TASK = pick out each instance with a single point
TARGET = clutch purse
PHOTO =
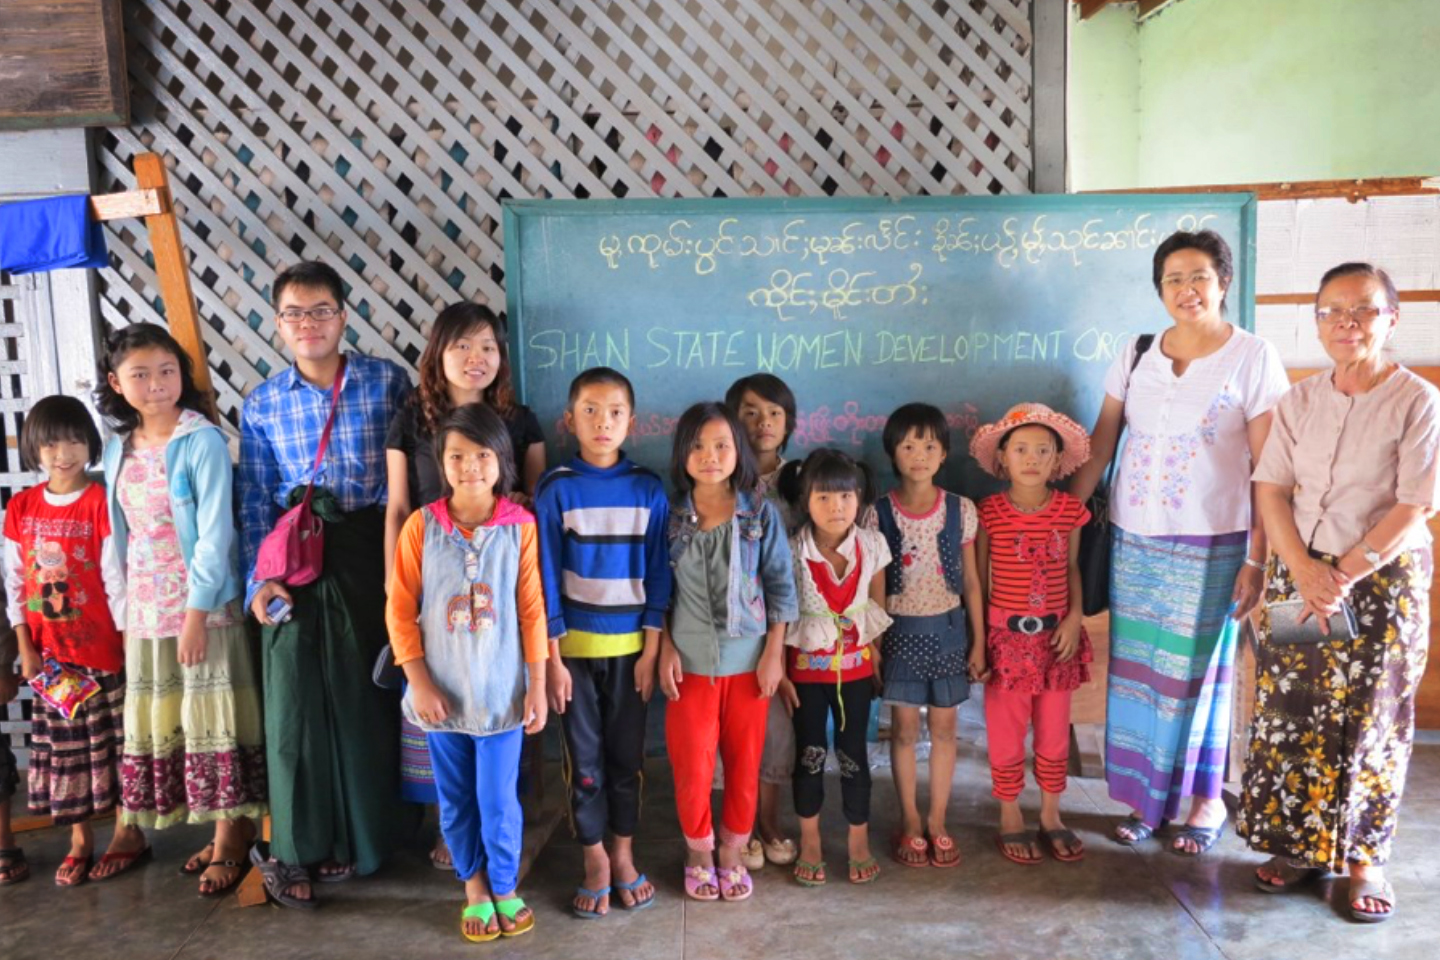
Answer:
(1285, 625)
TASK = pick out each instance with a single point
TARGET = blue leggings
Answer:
(480, 812)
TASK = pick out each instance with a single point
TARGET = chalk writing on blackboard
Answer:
(1013, 242)
(790, 349)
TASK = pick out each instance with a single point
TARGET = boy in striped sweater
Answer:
(605, 565)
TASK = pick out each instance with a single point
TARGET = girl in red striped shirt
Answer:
(1035, 651)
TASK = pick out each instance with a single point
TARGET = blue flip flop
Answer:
(630, 888)
(593, 895)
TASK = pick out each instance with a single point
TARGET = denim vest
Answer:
(471, 627)
(951, 559)
(760, 564)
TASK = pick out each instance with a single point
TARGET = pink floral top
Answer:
(155, 568)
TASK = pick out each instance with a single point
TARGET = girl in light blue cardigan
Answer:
(187, 657)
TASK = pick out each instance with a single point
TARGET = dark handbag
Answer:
(1095, 536)
(1285, 625)
(294, 552)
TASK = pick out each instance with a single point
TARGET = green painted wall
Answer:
(1235, 91)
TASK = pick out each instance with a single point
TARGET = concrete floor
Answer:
(1118, 903)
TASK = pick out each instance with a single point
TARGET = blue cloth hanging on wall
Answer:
(51, 234)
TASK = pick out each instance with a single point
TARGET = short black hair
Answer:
(57, 419)
(309, 273)
(825, 470)
(480, 425)
(601, 375)
(118, 414)
(1356, 268)
(1207, 242)
(768, 387)
(687, 432)
(925, 419)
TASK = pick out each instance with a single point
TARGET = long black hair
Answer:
(121, 417)
(769, 388)
(482, 426)
(687, 432)
(825, 470)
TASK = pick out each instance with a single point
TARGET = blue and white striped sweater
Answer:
(603, 553)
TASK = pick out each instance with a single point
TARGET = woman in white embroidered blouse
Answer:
(1188, 549)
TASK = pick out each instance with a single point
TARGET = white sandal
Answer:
(782, 853)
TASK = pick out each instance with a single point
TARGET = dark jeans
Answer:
(604, 726)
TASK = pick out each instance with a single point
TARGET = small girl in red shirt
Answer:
(1035, 651)
(832, 660)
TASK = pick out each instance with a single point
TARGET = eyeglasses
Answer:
(1194, 280)
(1364, 313)
(319, 314)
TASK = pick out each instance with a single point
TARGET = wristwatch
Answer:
(1372, 556)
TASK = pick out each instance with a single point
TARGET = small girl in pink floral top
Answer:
(187, 661)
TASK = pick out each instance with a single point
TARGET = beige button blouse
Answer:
(1351, 459)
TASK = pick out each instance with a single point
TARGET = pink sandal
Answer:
(736, 885)
(697, 877)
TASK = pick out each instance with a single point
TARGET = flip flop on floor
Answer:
(1051, 840)
(14, 865)
(1289, 875)
(944, 853)
(809, 874)
(911, 851)
(1371, 890)
(280, 877)
(484, 911)
(1203, 837)
(126, 861)
(858, 868)
(508, 908)
(1005, 840)
(241, 867)
(595, 895)
(630, 888)
(1139, 830)
(195, 865)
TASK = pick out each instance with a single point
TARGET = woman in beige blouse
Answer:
(1345, 484)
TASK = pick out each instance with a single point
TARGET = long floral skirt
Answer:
(1334, 723)
(194, 736)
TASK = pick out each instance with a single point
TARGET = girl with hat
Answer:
(1035, 651)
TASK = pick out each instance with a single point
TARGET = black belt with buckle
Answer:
(1031, 625)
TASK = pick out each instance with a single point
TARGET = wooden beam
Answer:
(133, 203)
(172, 271)
(1352, 190)
(1088, 8)
(1147, 7)
(1406, 296)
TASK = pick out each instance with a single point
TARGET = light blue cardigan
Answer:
(197, 460)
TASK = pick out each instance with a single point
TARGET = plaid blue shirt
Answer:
(280, 427)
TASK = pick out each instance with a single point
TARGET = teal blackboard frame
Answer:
(528, 223)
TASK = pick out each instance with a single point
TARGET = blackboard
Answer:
(860, 305)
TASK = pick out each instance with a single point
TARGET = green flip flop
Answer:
(484, 912)
(508, 908)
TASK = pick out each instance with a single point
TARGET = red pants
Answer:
(1007, 716)
(727, 713)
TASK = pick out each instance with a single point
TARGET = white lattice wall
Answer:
(383, 136)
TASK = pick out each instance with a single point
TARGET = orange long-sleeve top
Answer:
(402, 611)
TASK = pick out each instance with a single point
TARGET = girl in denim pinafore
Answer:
(466, 615)
(722, 648)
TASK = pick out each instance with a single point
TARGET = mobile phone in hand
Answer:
(278, 609)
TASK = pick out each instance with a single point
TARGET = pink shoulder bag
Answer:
(294, 552)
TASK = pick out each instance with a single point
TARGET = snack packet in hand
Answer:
(63, 688)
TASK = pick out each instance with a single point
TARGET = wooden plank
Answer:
(1352, 190)
(1048, 133)
(64, 64)
(1147, 7)
(1406, 296)
(172, 271)
(1088, 8)
(131, 203)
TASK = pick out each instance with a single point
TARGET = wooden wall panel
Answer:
(63, 64)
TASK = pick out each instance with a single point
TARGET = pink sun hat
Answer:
(985, 446)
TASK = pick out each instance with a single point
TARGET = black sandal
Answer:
(195, 859)
(1203, 837)
(1139, 830)
(15, 866)
(240, 868)
(280, 877)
